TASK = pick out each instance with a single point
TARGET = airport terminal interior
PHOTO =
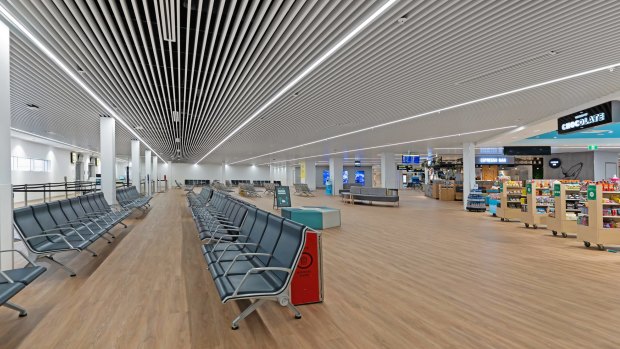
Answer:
(309, 174)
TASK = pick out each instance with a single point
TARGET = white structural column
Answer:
(6, 189)
(107, 129)
(223, 173)
(389, 174)
(335, 175)
(469, 170)
(309, 177)
(272, 174)
(147, 172)
(155, 174)
(290, 175)
(135, 163)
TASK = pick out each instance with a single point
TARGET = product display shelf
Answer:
(567, 204)
(599, 223)
(476, 201)
(538, 200)
(510, 201)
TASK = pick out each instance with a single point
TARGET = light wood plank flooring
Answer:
(422, 275)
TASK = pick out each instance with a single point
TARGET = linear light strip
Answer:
(52, 140)
(437, 111)
(110, 111)
(395, 144)
(305, 73)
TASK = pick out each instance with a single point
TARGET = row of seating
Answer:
(302, 189)
(14, 280)
(67, 225)
(246, 189)
(251, 253)
(129, 198)
(200, 199)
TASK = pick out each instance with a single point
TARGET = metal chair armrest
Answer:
(254, 270)
(62, 229)
(244, 255)
(48, 235)
(30, 261)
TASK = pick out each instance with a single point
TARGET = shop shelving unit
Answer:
(599, 223)
(538, 199)
(567, 204)
(510, 202)
(476, 201)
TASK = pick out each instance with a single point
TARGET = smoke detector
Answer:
(402, 20)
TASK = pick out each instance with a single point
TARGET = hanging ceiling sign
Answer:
(598, 115)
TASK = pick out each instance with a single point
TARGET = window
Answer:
(30, 165)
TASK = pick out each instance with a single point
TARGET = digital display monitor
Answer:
(345, 177)
(360, 177)
(325, 176)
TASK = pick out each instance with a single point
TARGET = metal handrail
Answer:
(58, 187)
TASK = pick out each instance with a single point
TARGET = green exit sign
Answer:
(592, 147)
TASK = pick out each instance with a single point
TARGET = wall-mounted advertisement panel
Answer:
(345, 177)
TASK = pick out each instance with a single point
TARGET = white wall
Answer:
(601, 158)
(60, 165)
(183, 171)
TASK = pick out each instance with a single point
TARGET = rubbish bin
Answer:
(307, 283)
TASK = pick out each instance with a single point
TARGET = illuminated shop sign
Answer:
(591, 117)
(494, 160)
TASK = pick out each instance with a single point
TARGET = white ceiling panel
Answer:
(197, 69)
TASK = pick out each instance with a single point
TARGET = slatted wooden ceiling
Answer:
(227, 58)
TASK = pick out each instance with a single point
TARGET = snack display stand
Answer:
(599, 221)
(567, 204)
(538, 200)
(510, 201)
(475, 201)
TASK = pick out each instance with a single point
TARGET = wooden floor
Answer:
(422, 275)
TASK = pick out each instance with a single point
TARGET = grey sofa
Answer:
(371, 195)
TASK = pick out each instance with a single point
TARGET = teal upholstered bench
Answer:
(315, 217)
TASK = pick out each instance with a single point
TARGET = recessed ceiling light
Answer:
(178, 150)
(32, 106)
(177, 140)
(138, 128)
(175, 116)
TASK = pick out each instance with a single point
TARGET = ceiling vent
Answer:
(138, 128)
(177, 140)
(167, 19)
(506, 68)
(175, 116)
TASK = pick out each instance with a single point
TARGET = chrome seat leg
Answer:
(51, 259)
(249, 310)
(294, 310)
(11, 305)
